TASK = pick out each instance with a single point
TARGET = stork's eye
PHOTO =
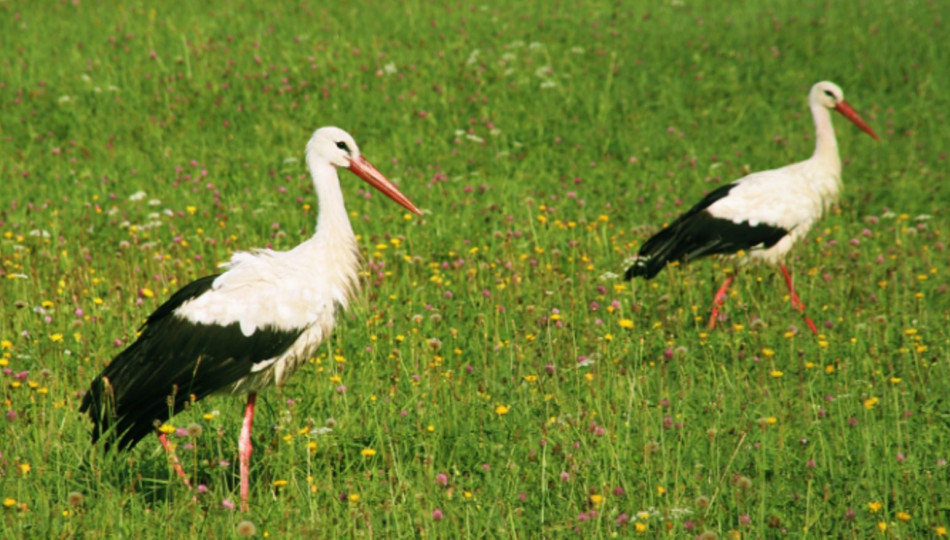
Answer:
(342, 146)
(829, 94)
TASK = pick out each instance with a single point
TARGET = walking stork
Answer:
(244, 329)
(761, 216)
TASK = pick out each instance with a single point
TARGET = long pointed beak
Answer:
(365, 170)
(855, 118)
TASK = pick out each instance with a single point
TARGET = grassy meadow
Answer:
(496, 377)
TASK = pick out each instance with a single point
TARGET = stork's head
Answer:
(336, 147)
(829, 95)
(332, 145)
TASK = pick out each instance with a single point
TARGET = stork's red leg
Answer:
(796, 301)
(244, 448)
(174, 459)
(718, 299)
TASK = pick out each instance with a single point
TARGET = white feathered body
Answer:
(793, 198)
(300, 289)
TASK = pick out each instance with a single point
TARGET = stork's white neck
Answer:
(332, 251)
(333, 225)
(826, 146)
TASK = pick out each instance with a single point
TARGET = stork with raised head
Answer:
(246, 328)
(761, 216)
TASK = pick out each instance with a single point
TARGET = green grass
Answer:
(598, 122)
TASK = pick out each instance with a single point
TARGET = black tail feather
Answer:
(698, 234)
(121, 421)
(656, 253)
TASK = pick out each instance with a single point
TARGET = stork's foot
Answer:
(718, 300)
(810, 323)
(795, 300)
(244, 449)
(174, 459)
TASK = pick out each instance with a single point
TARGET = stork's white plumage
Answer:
(762, 215)
(246, 328)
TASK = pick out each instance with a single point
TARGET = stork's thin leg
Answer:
(174, 458)
(796, 301)
(244, 448)
(718, 299)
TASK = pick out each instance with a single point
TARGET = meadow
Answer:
(496, 377)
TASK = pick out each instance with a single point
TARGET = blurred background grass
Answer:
(140, 145)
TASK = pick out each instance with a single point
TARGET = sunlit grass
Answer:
(496, 378)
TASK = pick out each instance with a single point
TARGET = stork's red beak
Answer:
(849, 113)
(365, 170)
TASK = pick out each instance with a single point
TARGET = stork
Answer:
(244, 329)
(761, 216)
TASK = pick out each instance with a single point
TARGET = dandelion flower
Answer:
(501, 410)
(74, 498)
(368, 452)
(246, 528)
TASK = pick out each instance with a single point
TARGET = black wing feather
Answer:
(697, 233)
(172, 363)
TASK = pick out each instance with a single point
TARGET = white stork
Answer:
(761, 216)
(243, 329)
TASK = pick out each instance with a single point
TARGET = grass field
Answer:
(496, 378)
